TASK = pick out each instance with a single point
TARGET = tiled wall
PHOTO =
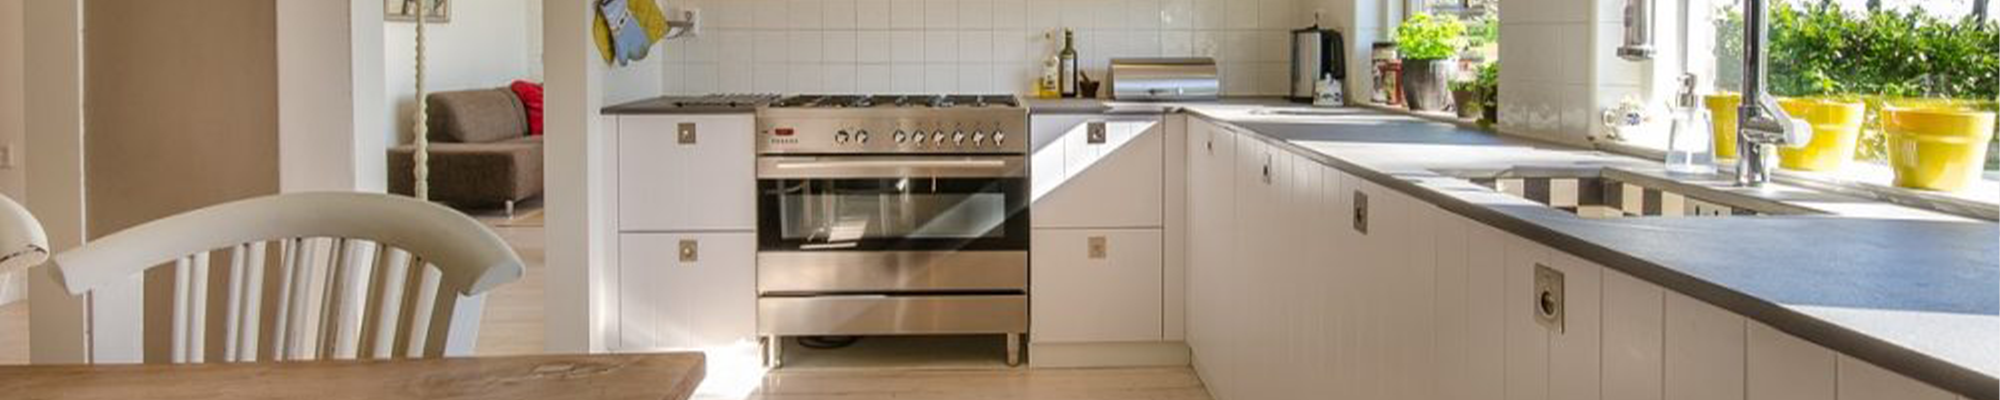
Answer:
(1560, 69)
(936, 46)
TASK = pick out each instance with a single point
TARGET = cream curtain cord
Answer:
(423, 155)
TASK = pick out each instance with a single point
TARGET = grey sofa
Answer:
(480, 151)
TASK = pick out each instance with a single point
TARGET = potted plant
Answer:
(1487, 85)
(1427, 43)
(1465, 98)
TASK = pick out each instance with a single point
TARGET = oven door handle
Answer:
(891, 167)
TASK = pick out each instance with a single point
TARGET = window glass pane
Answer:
(1885, 53)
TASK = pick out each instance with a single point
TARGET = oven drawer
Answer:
(895, 271)
(891, 315)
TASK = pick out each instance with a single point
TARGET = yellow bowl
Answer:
(1836, 126)
(1937, 148)
(1722, 106)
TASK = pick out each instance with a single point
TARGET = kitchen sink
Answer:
(1305, 112)
(1613, 193)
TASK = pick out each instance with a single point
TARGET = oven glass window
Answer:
(907, 214)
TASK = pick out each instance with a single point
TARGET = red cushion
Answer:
(531, 97)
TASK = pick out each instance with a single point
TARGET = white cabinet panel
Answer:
(1085, 296)
(1323, 275)
(668, 304)
(1633, 337)
(1859, 380)
(1782, 367)
(1174, 277)
(1574, 360)
(1211, 252)
(1452, 324)
(1704, 351)
(1294, 279)
(1486, 305)
(1527, 344)
(1119, 182)
(707, 183)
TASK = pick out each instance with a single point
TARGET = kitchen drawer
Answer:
(1112, 179)
(891, 315)
(1094, 285)
(702, 181)
(668, 302)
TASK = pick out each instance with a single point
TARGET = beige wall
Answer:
(12, 127)
(182, 103)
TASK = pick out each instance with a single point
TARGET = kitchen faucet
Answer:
(1761, 124)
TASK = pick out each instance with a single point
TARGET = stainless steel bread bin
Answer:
(1165, 79)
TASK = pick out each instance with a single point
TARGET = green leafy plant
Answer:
(1428, 37)
(1482, 30)
(1486, 87)
(1882, 56)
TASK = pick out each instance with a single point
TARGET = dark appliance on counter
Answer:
(1316, 53)
(892, 215)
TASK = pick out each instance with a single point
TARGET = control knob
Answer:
(861, 137)
(958, 137)
(902, 137)
(978, 138)
(840, 137)
(937, 137)
(999, 138)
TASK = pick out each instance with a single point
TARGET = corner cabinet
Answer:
(682, 203)
(1105, 275)
(1305, 281)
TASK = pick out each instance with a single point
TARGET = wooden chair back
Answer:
(290, 277)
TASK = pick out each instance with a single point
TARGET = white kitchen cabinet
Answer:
(1634, 337)
(1527, 342)
(686, 291)
(686, 173)
(1452, 323)
(1096, 286)
(1252, 312)
(1704, 351)
(1575, 352)
(1098, 172)
(1211, 163)
(1487, 310)
(1859, 380)
(1783, 367)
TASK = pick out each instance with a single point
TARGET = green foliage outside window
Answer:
(1880, 56)
(1428, 37)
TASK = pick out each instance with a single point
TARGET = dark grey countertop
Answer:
(676, 105)
(1911, 291)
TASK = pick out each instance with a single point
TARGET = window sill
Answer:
(1872, 181)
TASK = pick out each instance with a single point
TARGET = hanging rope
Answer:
(423, 155)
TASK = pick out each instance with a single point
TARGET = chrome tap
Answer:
(1762, 125)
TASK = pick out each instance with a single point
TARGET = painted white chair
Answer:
(22, 245)
(355, 275)
(22, 242)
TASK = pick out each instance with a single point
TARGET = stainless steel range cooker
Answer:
(892, 215)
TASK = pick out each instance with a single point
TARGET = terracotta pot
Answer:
(1466, 102)
(1424, 87)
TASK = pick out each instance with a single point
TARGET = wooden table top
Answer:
(670, 376)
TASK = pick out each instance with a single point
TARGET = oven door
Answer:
(892, 203)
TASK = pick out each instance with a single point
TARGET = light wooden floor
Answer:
(513, 325)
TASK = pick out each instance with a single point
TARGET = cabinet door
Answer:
(1527, 345)
(1704, 351)
(1783, 367)
(704, 182)
(1115, 182)
(666, 303)
(1634, 337)
(1487, 310)
(1860, 380)
(1094, 285)
(1448, 240)
(1575, 361)
(1211, 244)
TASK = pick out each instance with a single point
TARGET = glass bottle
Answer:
(1068, 68)
(1691, 144)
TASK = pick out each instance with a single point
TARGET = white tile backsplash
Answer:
(899, 46)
